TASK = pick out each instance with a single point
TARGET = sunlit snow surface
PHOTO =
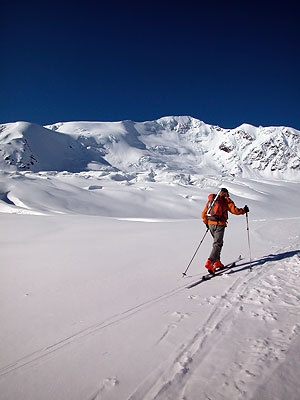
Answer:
(93, 301)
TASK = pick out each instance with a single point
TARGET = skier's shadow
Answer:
(263, 260)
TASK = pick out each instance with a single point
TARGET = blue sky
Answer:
(225, 63)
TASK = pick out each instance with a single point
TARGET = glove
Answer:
(207, 226)
(246, 209)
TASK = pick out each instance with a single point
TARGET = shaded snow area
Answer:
(94, 304)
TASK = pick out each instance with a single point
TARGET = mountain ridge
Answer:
(175, 143)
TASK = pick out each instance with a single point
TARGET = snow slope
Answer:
(182, 144)
(93, 301)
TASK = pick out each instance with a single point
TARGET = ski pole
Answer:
(247, 223)
(184, 273)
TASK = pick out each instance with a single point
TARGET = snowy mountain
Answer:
(26, 146)
(171, 144)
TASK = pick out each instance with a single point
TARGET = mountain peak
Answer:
(173, 143)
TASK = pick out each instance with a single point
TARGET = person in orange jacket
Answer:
(216, 223)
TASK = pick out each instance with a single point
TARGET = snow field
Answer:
(96, 307)
(98, 223)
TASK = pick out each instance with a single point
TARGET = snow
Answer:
(93, 301)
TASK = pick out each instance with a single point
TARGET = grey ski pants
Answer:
(217, 232)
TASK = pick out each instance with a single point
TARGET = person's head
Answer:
(224, 192)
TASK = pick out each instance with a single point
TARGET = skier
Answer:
(215, 218)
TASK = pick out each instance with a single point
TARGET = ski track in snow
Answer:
(262, 297)
(253, 321)
(113, 320)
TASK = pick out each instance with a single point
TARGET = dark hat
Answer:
(224, 190)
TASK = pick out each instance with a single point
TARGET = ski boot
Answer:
(218, 265)
(210, 266)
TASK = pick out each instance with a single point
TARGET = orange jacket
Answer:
(230, 206)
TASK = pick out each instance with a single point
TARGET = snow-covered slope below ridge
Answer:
(182, 144)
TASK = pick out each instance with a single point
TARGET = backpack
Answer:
(217, 208)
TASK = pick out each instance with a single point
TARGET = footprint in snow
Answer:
(179, 316)
(194, 297)
(264, 315)
(107, 384)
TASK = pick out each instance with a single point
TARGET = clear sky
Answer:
(224, 63)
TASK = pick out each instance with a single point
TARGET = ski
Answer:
(219, 271)
(209, 276)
